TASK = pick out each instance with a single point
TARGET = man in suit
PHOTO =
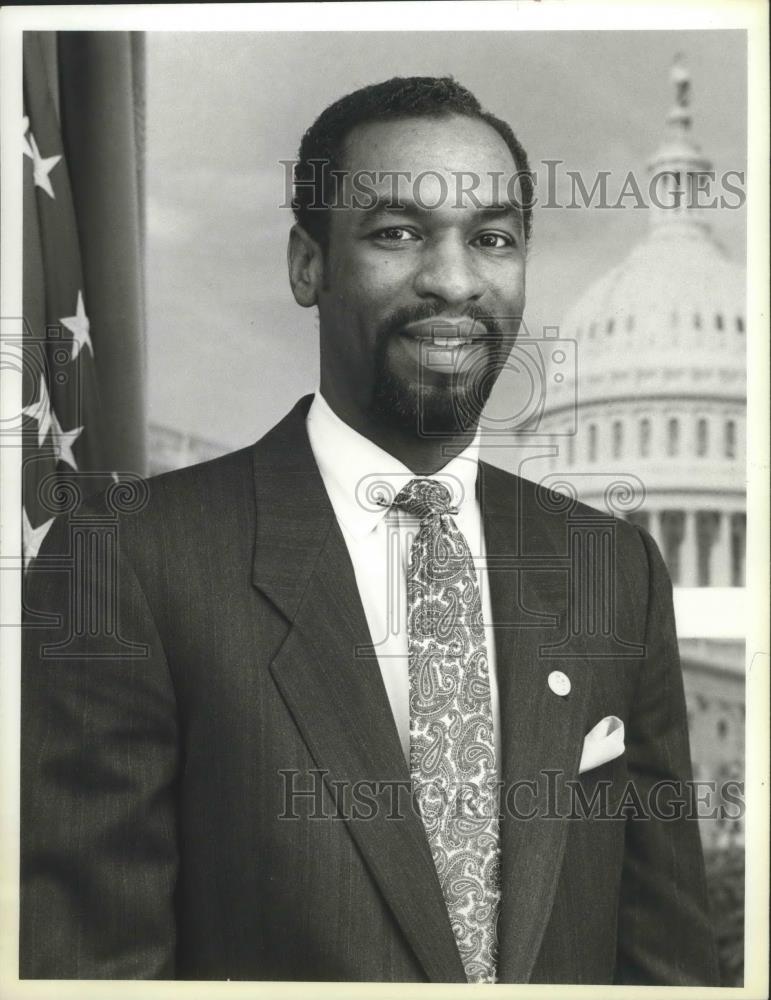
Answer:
(331, 707)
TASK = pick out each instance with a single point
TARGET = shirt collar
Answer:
(356, 472)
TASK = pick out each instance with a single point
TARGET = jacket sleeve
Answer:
(664, 931)
(98, 764)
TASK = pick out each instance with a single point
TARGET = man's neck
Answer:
(422, 455)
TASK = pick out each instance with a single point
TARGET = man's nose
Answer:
(448, 272)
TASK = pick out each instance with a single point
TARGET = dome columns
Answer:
(719, 542)
(701, 547)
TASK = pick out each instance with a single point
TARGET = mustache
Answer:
(427, 311)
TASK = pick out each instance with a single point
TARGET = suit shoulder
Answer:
(512, 493)
(177, 501)
(224, 472)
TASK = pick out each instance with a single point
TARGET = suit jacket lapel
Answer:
(541, 731)
(335, 691)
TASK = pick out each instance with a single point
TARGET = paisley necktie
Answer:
(452, 753)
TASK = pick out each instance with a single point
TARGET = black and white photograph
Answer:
(384, 539)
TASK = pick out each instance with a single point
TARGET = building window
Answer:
(739, 324)
(707, 527)
(645, 437)
(702, 437)
(618, 438)
(730, 439)
(672, 531)
(673, 437)
(738, 538)
(719, 321)
(722, 729)
(697, 321)
(592, 442)
(702, 552)
(609, 327)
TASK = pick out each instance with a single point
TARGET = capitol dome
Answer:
(658, 395)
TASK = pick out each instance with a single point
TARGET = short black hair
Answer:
(321, 147)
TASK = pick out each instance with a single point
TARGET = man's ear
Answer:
(306, 266)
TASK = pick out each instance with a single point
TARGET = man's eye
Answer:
(395, 234)
(494, 241)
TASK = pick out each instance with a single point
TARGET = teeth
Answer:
(450, 341)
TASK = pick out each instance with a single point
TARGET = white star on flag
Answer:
(42, 167)
(79, 326)
(26, 148)
(32, 538)
(40, 410)
(63, 441)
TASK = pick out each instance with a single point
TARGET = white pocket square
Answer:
(603, 743)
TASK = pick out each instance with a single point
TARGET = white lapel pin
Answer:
(559, 683)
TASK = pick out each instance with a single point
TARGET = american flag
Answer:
(62, 451)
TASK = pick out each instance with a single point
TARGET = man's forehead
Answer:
(448, 144)
(434, 161)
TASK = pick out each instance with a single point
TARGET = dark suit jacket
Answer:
(230, 649)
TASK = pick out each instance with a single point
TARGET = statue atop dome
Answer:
(679, 117)
(681, 78)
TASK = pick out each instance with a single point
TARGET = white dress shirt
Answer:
(355, 472)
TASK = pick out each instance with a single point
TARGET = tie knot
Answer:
(425, 498)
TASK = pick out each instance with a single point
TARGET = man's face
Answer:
(419, 306)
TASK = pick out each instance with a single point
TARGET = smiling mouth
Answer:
(447, 333)
(450, 341)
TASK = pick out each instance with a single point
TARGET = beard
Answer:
(445, 403)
